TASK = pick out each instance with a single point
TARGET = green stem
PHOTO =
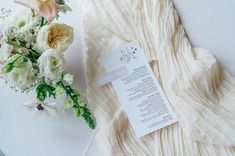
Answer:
(33, 59)
(9, 67)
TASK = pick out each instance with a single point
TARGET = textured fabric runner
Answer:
(201, 92)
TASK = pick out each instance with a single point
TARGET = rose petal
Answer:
(30, 105)
(48, 10)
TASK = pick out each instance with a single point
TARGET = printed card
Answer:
(138, 90)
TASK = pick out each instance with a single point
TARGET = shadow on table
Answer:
(2, 154)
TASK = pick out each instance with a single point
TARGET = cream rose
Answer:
(51, 64)
(55, 36)
(22, 75)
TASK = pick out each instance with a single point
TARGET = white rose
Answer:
(22, 75)
(5, 51)
(54, 36)
(51, 64)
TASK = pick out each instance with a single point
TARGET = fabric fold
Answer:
(200, 90)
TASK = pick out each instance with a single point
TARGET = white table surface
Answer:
(209, 24)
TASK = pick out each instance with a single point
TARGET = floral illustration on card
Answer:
(128, 54)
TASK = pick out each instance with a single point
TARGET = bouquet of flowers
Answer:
(31, 56)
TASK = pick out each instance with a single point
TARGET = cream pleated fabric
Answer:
(200, 91)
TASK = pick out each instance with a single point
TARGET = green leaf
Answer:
(43, 21)
(7, 68)
(88, 118)
(44, 90)
(15, 61)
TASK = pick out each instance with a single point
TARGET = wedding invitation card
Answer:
(138, 89)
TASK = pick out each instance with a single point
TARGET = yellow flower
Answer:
(46, 8)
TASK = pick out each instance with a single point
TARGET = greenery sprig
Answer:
(73, 99)
(44, 90)
(79, 107)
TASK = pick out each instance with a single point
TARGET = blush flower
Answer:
(46, 8)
